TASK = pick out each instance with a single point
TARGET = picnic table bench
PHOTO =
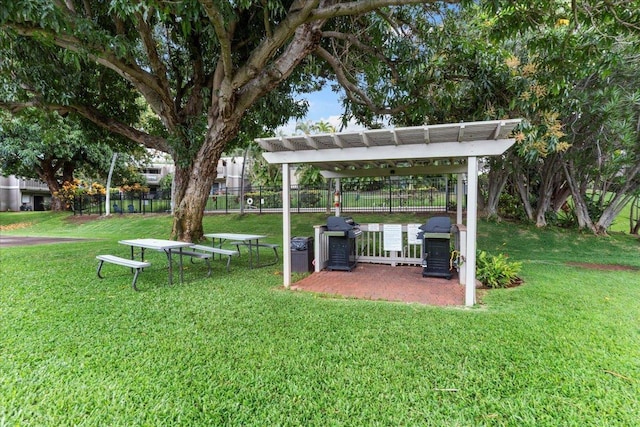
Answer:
(207, 252)
(249, 240)
(134, 265)
(258, 245)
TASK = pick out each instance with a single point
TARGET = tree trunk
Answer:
(47, 174)
(523, 191)
(622, 198)
(605, 220)
(634, 216)
(550, 179)
(497, 179)
(193, 183)
(560, 197)
(581, 210)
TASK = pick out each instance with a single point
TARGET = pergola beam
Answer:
(442, 150)
(401, 171)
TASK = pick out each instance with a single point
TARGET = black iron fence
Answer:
(384, 195)
(122, 203)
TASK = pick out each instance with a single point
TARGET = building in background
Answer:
(18, 193)
(23, 194)
(229, 173)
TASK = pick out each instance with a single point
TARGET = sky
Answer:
(323, 106)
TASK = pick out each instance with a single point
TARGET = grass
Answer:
(236, 349)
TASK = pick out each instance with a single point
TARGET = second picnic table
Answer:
(251, 240)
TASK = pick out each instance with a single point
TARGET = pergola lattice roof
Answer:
(430, 149)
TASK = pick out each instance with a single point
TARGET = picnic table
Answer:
(167, 246)
(250, 240)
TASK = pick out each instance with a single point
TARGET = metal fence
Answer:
(122, 203)
(377, 195)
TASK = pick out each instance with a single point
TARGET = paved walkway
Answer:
(7, 241)
(383, 282)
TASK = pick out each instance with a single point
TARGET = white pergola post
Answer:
(459, 197)
(472, 226)
(338, 190)
(286, 224)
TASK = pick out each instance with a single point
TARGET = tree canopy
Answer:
(56, 149)
(570, 70)
(209, 70)
(218, 73)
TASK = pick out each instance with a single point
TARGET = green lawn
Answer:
(237, 349)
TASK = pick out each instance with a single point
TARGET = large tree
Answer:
(569, 68)
(209, 69)
(582, 62)
(55, 149)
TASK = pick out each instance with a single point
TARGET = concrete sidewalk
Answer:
(8, 241)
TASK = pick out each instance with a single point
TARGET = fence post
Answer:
(390, 197)
(446, 193)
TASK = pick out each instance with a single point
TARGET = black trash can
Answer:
(302, 254)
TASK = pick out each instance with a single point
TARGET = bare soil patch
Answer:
(609, 267)
(81, 219)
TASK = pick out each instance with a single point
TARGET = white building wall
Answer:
(10, 195)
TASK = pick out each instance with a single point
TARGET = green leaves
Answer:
(496, 271)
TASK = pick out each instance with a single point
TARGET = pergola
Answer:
(423, 150)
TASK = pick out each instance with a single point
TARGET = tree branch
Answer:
(141, 79)
(16, 107)
(363, 47)
(361, 7)
(353, 92)
(194, 104)
(149, 141)
(87, 9)
(270, 45)
(65, 4)
(303, 43)
(224, 36)
(97, 118)
(157, 66)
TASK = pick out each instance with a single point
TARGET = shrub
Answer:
(265, 199)
(496, 271)
(309, 199)
(510, 206)
(72, 191)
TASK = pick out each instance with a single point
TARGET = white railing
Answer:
(32, 184)
(370, 246)
(152, 178)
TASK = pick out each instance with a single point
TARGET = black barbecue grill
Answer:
(436, 247)
(342, 233)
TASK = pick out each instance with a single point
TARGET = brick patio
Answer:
(383, 282)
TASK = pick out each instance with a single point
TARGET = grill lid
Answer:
(437, 224)
(341, 223)
(437, 227)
